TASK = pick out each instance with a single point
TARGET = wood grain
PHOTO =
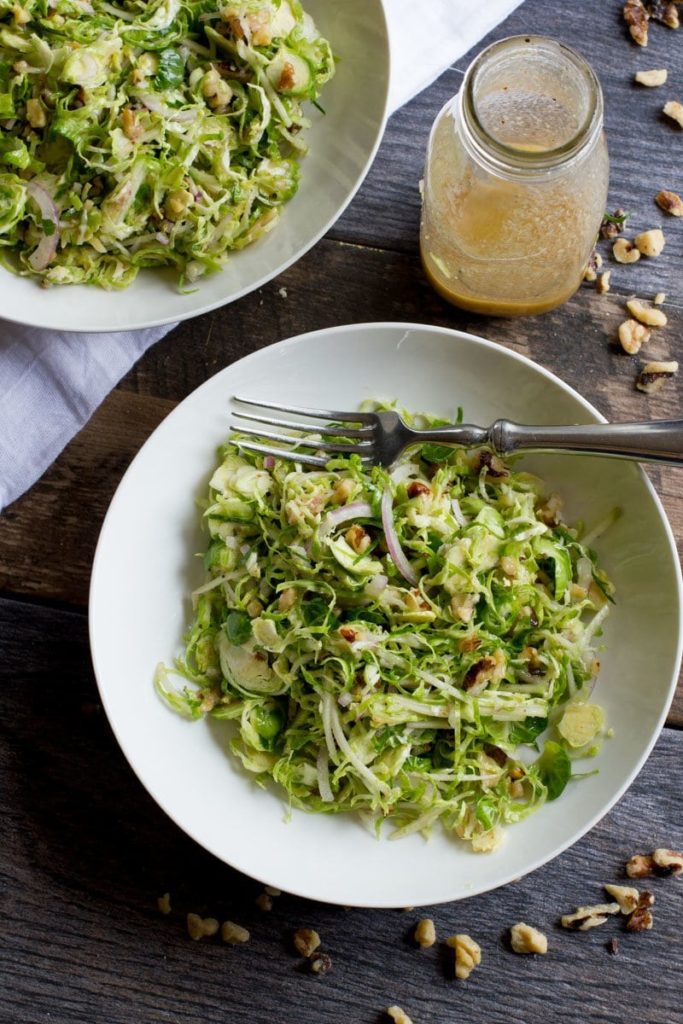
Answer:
(86, 852)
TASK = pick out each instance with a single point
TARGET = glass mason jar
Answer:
(516, 178)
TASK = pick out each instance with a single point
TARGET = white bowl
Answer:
(343, 143)
(144, 569)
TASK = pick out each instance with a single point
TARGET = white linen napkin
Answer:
(51, 382)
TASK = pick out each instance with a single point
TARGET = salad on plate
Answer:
(417, 645)
(149, 133)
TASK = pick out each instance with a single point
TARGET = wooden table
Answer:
(86, 852)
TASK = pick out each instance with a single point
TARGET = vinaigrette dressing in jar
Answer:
(516, 178)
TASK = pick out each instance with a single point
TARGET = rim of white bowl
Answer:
(535, 864)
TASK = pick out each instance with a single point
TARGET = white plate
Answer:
(343, 144)
(144, 569)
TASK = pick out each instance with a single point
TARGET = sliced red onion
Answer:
(395, 550)
(157, 107)
(323, 766)
(269, 462)
(376, 585)
(162, 238)
(45, 251)
(356, 510)
(458, 512)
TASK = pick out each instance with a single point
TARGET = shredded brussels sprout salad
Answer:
(148, 133)
(395, 642)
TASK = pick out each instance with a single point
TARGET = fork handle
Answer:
(654, 441)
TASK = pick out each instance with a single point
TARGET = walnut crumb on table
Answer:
(398, 1015)
(652, 378)
(164, 903)
(650, 243)
(201, 927)
(646, 314)
(652, 78)
(306, 941)
(467, 954)
(425, 933)
(585, 918)
(632, 335)
(524, 938)
(234, 934)
(625, 251)
(674, 110)
(627, 896)
(670, 202)
(319, 963)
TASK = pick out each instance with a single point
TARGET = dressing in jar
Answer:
(516, 178)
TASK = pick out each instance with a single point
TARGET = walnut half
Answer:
(632, 335)
(467, 955)
(526, 939)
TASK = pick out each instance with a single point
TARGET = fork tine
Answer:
(319, 414)
(281, 453)
(318, 445)
(273, 421)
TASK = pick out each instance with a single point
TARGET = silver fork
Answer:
(380, 437)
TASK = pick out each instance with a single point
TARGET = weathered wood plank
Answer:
(646, 149)
(86, 852)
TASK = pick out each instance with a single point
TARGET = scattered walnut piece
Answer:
(664, 11)
(636, 17)
(625, 251)
(653, 78)
(602, 287)
(272, 891)
(613, 225)
(234, 934)
(641, 919)
(319, 963)
(487, 842)
(650, 243)
(646, 314)
(343, 490)
(417, 487)
(670, 202)
(585, 918)
(626, 896)
(640, 865)
(467, 954)
(287, 599)
(164, 903)
(613, 946)
(667, 862)
(358, 539)
(652, 378)
(198, 927)
(632, 335)
(659, 299)
(425, 933)
(306, 941)
(674, 110)
(591, 269)
(398, 1015)
(526, 939)
(264, 902)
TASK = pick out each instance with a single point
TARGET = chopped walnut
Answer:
(254, 608)
(462, 606)
(650, 243)
(585, 918)
(646, 314)
(636, 17)
(198, 927)
(674, 110)
(487, 842)
(641, 865)
(306, 941)
(659, 299)
(667, 862)
(626, 896)
(664, 11)
(164, 903)
(35, 114)
(264, 902)
(641, 919)
(632, 335)
(652, 378)
(287, 599)
(343, 490)
(132, 128)
(319, 963)
(398, 1015)
(467, 955)
(493, 464)
(416, 488)
(653, 78)
(526, 939)
(358, 539)
(670, 202)
(234, 934)
(614, 225)
(625, 251)
(594, 263)
(425, 933)
(613, 946)
(602, 287)
(478, 676)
